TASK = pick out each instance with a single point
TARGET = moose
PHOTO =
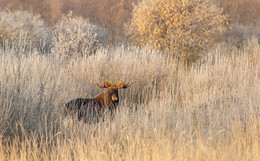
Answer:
(91, 109)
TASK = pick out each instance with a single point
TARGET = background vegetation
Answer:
(204, 111)
(112, 14)
(185, 29)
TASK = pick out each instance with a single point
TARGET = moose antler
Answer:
(118, 83)
(106, 84)
(128, 84)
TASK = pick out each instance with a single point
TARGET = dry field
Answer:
(205, 112)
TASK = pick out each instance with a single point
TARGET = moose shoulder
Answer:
(91, 109)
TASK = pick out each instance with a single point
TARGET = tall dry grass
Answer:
(205, 112)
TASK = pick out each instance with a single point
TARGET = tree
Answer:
(185, 28)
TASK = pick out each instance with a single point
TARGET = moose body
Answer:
(91, 110)
(83, 108)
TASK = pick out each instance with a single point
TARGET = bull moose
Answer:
(91, 109)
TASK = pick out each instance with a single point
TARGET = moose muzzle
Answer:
(114, 98)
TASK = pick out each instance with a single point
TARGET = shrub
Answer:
(185, 28)
(75, 36)
(24, 28)
(239, 34)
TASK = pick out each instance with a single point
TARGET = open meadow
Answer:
(195, 68)
(207, 111)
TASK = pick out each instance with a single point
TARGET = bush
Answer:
(25, 29)
(239, 34)
(185, 28)
(75, 36)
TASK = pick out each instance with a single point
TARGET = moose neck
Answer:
(104, 98)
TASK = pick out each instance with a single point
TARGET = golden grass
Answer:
(207, 112)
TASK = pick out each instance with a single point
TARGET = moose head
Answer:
(110, 96)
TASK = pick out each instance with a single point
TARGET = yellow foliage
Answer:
(182, 27)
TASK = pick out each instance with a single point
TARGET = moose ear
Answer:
(118, 83)
(108, 84)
